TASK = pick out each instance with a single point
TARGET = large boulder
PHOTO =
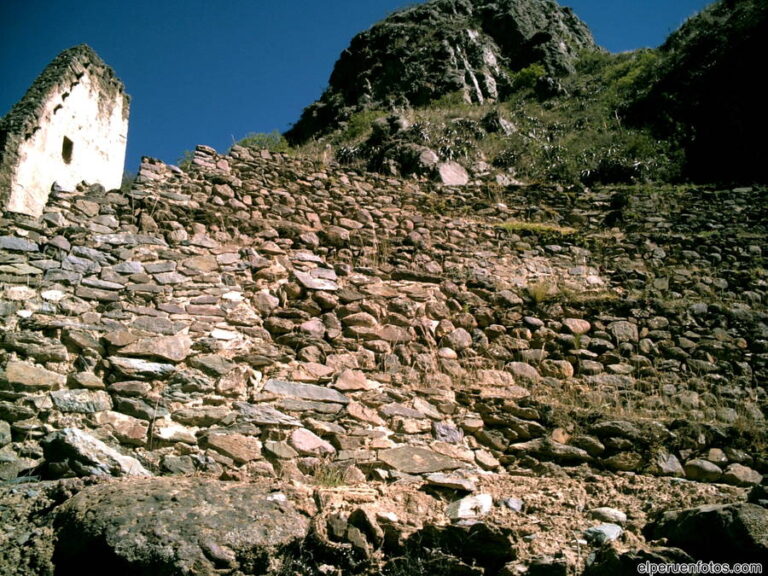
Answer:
(727, 533)
(165, 526)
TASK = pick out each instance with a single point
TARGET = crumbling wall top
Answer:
(67, 68)
(30, 118)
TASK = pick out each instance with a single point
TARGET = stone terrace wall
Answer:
(71, 125)
(257, 311)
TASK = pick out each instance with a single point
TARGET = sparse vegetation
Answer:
(328, 474)
(541, 290)
(127, 182)
(272, 141)
(358, 126)
(185, 160)
(539, 228)
(579, 134)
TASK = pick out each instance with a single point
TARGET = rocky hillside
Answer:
(430, 50)
(703, 95)
(264, 365)
(520, 85)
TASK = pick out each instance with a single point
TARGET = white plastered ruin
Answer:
(79, 133)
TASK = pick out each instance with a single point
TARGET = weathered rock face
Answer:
(733, 533)
(71, 125)
(443, 46)
(172, 526)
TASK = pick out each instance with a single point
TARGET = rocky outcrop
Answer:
(688, 109)
(732, 533)
(507, 524)
(427, 51)
(704, 97)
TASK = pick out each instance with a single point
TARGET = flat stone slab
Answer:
(212, 364)
(547, 448)
(302, 406)
(470, 507)
(305, 391)
(416, 460)
(138, 367)
(239, 447)
(452, 174)
(95, 294)
(308, 443)
(202, 415)
(21, 270)
(396, 409)
(174, 348)
(451, 481)
(304, 256)
(264, 415)
(165, 278)
(311, 283)
(16, 244)
(177, 526)
(81, 401)
(157, 325)
(126, 238)
(25, 376)
(101, 284)
(86, 455)
(203, 263)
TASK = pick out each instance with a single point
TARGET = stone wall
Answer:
(283, 336)
(71, 125)
(259, 309)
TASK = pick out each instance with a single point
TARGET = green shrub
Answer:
(593, 61)
(451, 100)
(526, 78)
(359, 125)
(630, 74)
(272, 141)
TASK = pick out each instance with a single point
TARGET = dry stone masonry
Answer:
(272, 364)
(388, 370)
(71, 125)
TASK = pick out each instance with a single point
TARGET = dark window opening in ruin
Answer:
(66, 150)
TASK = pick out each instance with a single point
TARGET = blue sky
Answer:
(204, 72)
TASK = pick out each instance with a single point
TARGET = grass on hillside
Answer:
(577, 135)
(538, 228)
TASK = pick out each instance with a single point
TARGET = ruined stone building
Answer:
(70, 126)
